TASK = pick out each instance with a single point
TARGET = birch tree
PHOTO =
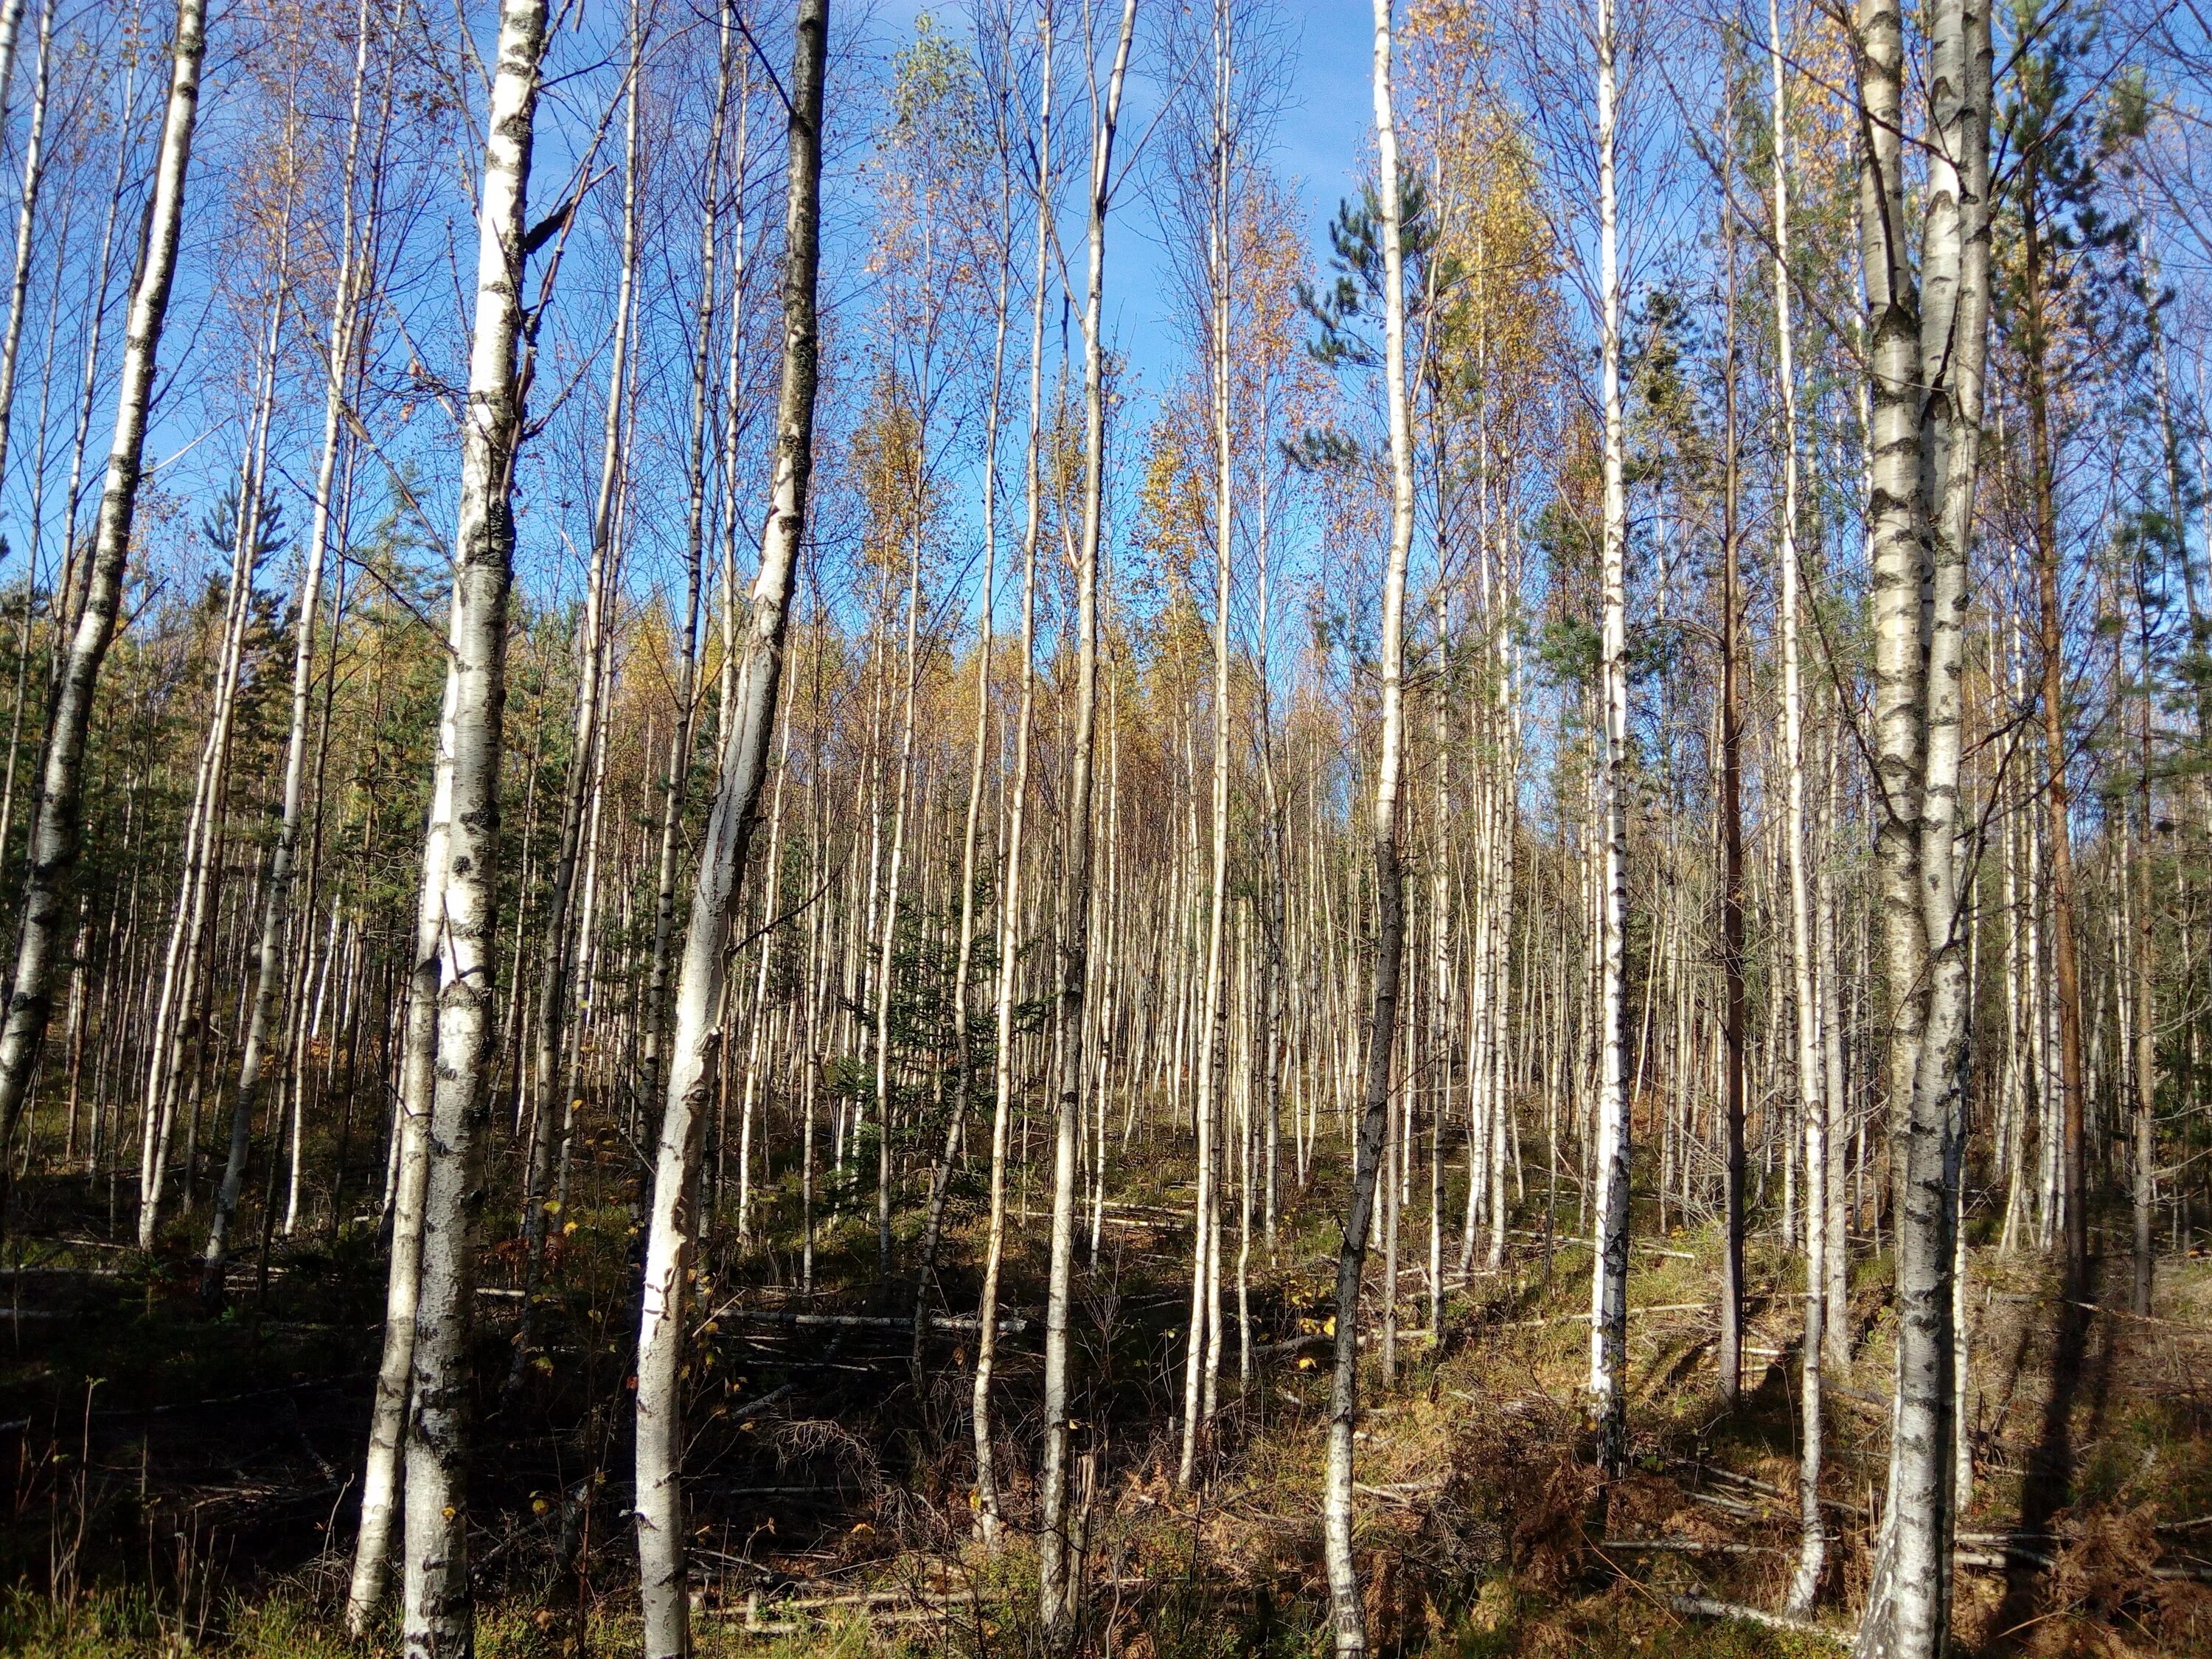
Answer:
(1060, 1534)
(268, 967)
(730, 823)
(460, 877)
(1810, 1063)
(1009, 881)
(1608, 1338)
(1925, 446)
(1347, 1602)
(57, 821)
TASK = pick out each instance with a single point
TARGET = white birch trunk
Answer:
(1059, 1536)
(34, 173)
(1010, 859)
(1204, 1341)
(700, 981)
(1609, 1349)
(1925, 469)
(440, 1619)
(1813, 1544)
(1346, 1604)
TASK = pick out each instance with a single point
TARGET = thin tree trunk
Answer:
(895, 878)
(1010, 858)
(1347, 1603)
(406, 1177)
(701, 983)
(964, 965)
(1608, 1340)
(1812, 1542)
(686, 699)
(1059, 1540)
(1735, 1018)
(35, 171)
(1204, 1338)
(2057, 795)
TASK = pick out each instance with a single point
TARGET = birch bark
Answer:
(1203, 1350)
(731, 821)
(1812, 1104)
(1926, 445)
(1346, 1601)
(1060, 1539)
(1608, 1352)
(1010, 859)
(26, 213)
(675, 785)
(439, 1617)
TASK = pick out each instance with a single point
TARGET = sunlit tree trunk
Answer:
(2038, 306)
(27, 212)
(701, 983)
(1608, 1340)
(1734, 1033)
(675, 785)
(1347, 1609)
(1201, 1358)
(410, 1172)
(1010, 858)
(1060, 1534)
(439, 1617)
(896, 877)
(1812, 1104)
(1925, 448)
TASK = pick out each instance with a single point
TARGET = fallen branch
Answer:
(2141, 1319)
(1583, 1318)
(1009, 1325)
(1704, 1607)
(1685, 1547)
(877, 1606)
(1403, 1493)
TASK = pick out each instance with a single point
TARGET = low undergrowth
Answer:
(185, 1475)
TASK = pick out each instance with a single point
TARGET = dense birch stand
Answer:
(1017, 811)
(1190, 971)
(57, 820)
(268, 956)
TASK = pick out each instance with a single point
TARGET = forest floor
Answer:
(184, 1479)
